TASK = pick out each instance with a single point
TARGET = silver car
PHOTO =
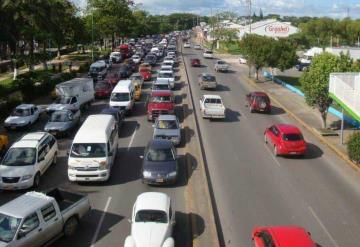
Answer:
(167, 127)
(62, 122)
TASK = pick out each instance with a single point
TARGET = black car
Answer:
(124, 71)
(160, 164)
(118, 114)
(302, 66)
(150, 59)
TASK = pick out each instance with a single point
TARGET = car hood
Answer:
(15, 171)
(14, 119)
(57, 125)
(149, 234)
(57, 107)
(159, 167)
(167, 132)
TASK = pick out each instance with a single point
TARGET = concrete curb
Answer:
(309, 128)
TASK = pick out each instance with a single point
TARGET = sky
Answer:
(330, 8)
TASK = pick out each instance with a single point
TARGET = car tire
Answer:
(54, 159)
(37, 179)
(265, 139)
(71, 226)
(275, 151)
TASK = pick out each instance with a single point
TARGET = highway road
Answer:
(252, 188)
(106, 224)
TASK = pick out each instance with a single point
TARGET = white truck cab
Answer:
(122, 95)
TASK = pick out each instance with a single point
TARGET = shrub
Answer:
(353, 147)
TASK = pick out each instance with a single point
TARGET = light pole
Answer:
(92, 34)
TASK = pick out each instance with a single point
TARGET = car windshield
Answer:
(159, 99)
(221, 62)
(8, 227)
(60, 117)
(212, 101)
(94, 69)
(136, 77)
(208, 52)
(63, 100)
(261, 99)
(88, 150)
(160, 87)
(151, 216)
(102, 85)
(20, 157)
(165, 75)
(167, 124)
(208, 78)
(20, 112)
(292, 137)
(118, 97)
(160, 155)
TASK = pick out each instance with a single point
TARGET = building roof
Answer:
(153, 201)
(25, 204)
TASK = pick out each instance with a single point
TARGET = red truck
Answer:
(160, 102)
(125, 51)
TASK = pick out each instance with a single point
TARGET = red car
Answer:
(146, 74)
(285, 139)
(103, 89)
(282, 236)
(160, 102)
(113, 78)
(195, 62)
(258, 101)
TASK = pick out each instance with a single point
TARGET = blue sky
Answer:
(331, 8)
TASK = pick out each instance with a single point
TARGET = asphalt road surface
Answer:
(106, 224)
(253, 188)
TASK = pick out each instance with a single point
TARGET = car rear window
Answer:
(292, 137)
(157, 216)
(208, 78)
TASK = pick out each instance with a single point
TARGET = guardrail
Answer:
(331, 110)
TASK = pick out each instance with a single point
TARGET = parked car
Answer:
(302, 66)
(242, 60)
(211, 106)
(208, 54)
(278, 236)
(187, 45)
(103, 89)
(197, 47)
(258, 101)
(115, 57)
(22, 116)
(160, 163)
(61, 123)
(117, 113)
(167, 127)
(160, 102)
(152, 221)
(285, 139)
(195, 62)
(27, 160)
(36, 218)
(4, 142)
(221, 66)
(98, 70)
(207, 81)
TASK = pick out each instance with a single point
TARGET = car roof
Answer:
(95, 129)
(167, 117)
(153, 201)
(288, 129)
(293, 236)
(257, 93)
(25, 204)
(122, 85)
(159, 143)
(25, 106)
(30, 140)
(212, 96)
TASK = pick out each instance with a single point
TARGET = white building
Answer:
(354, 52)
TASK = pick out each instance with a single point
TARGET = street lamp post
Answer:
(92, 34)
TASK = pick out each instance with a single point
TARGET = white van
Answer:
(122, 95)
(94, 149)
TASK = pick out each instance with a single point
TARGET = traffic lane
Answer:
(125, 185)
(230, 81)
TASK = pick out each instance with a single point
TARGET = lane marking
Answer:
(131, 140)
(272, 155)
(100, 222)
(323, 227)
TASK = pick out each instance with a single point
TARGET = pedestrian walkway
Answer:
(296, 106)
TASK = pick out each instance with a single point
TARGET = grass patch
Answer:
(6, 82)
(293, 81)
(79, 57)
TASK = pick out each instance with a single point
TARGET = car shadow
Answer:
(139, 108)
(313, 152)
(186, 135)
(230, 116)
(186, 112)
(87, 227)
(277, 110)
(184, 233)
(128, 128)
(222, 88)
(179, 85)
(178, 99)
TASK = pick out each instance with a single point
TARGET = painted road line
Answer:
(272, 155)
(131, 140)
(323, 227)
(100, 222)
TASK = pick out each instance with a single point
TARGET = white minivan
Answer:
(122, 96)
(94, 149)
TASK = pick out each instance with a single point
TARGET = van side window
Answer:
(49, 141)
(73, 100)
(42, 152)
(112, 136)
(30, 223)
(48, 212)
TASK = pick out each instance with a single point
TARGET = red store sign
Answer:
(277, 29)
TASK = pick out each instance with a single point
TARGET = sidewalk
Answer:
(296, 107)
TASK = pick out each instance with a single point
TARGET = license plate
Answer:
(9, 187)
(293, 152)
(159, 180)
(87, 179)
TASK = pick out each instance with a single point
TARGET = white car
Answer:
(197, 47)
(22, 116)
(211, 106)
(208, 54)
(187, 45)
(136, 58)
(167, 75)
(27, 160)
(152, 221)
(242, 60)
(115, 57)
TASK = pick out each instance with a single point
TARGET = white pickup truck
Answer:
(211, 106)
(72, 95)
(35, 218)
(221, 66)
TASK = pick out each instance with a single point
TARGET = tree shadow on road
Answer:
(183, 230)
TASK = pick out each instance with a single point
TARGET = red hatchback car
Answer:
(195, 62)
(282, 236)
(258, 101)
(103, 89)
(285, 139)
(146, 74)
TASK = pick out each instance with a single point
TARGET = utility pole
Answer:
(92, 34)
(249, 5)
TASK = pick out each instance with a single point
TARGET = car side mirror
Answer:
(22, 233)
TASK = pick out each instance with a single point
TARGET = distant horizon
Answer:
(336, 9)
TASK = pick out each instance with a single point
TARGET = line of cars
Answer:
(285, 139)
